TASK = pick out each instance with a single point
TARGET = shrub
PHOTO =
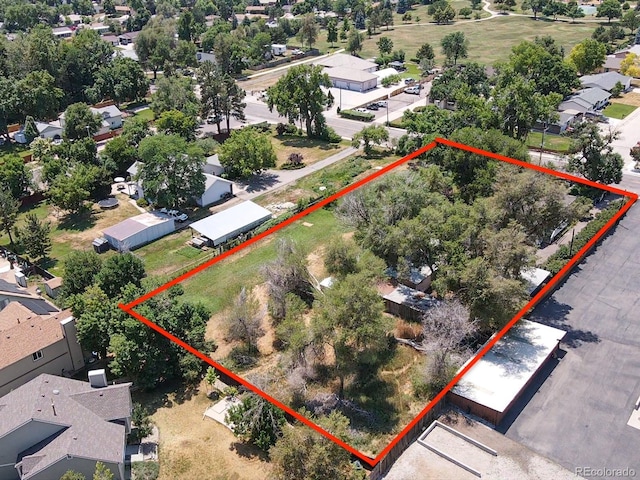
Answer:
(559, 259)
(286, 129)
(390, 80)
(262, 127)
(142, 202)
(353, 115)
(295, 159)
(145, 470)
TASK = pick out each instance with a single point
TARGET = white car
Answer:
(414, 90)
(180, 217)
(361, 110)
(297, 51)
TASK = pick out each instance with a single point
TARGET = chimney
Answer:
(54, 408)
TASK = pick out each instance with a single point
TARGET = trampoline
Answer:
(108, 203)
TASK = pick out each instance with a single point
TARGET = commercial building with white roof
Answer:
(497, 380)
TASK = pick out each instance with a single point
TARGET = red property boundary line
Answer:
(129, 308)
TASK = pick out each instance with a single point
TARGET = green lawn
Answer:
(168, 254)
(75, 232)
(618, 110)
(15, 148)
(489, 41)
(217, 285)
(311, 149)
(146, 114)
(552, 142)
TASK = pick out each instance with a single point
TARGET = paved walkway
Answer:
(272, 180)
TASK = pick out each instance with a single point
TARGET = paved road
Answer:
(578, 416)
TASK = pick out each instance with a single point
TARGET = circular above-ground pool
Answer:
(589, 9)
(108, 203)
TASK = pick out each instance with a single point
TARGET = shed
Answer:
(535, 278)
(408, 303)
(212, 165)
(215, 189)
(494, 384)
(232, 222)
(278, 49)
(139, 230)
(419, 278)
(52, 286)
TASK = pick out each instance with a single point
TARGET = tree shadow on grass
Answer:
(246, 450)
(78, 222)
(165, 395)
(368, 406)
(303, 142)
(257, 183)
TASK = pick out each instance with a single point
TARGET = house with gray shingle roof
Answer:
(55, 424)
(606, 81)
(586, 100)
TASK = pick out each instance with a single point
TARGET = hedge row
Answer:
(559, 259)
(353, 115)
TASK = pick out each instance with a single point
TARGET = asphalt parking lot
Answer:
(399, 101)
(578, 415)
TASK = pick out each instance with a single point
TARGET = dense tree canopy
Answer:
(298, 96)
(172, 170)
(246, 152)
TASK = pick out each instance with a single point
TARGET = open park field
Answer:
(489, 41)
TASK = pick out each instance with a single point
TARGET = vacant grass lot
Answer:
(489, 41)
(552, 142)
(217, 285)
(311, 149)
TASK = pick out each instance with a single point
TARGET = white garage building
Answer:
(214, 189)
(139, 230)
(230, 223)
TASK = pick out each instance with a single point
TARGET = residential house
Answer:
(62, 32)
(566, 119)
(52, 130)
(256, 10)
(123, 9)
(101, 28)
(33, 344)
(111, 118)
(112, 39)
(10, 291)
(53, 424)
(75, 19)
(406, 302)
(216, 188)
(127, 38)
(588, 100)
(606, 81)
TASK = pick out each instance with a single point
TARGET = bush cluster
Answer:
(559, 259)
(353, 115)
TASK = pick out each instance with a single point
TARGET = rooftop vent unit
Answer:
(98, 378)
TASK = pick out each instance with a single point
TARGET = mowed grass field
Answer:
(489, 41)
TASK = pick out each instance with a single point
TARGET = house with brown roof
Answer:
(53, 424)
(33, 344)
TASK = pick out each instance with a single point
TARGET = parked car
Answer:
(409, 81)
(382, 104)
(373, 106)
(214, 119)
(414, 90)
(297, 51)
(361, 110)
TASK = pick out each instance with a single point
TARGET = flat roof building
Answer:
(497, 380)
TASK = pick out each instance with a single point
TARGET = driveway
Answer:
(578, 416)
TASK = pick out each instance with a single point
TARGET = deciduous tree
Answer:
(79, 271)
(298, 95)
(175, 93)
(244, 321)
(256, 420)
(369, 136)
(80, 122)
(588, 55)
(119, 271)
(594, 158)
(610, 9)
(172, 170)
(174, 122)
(247, 151)
(454, 46)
